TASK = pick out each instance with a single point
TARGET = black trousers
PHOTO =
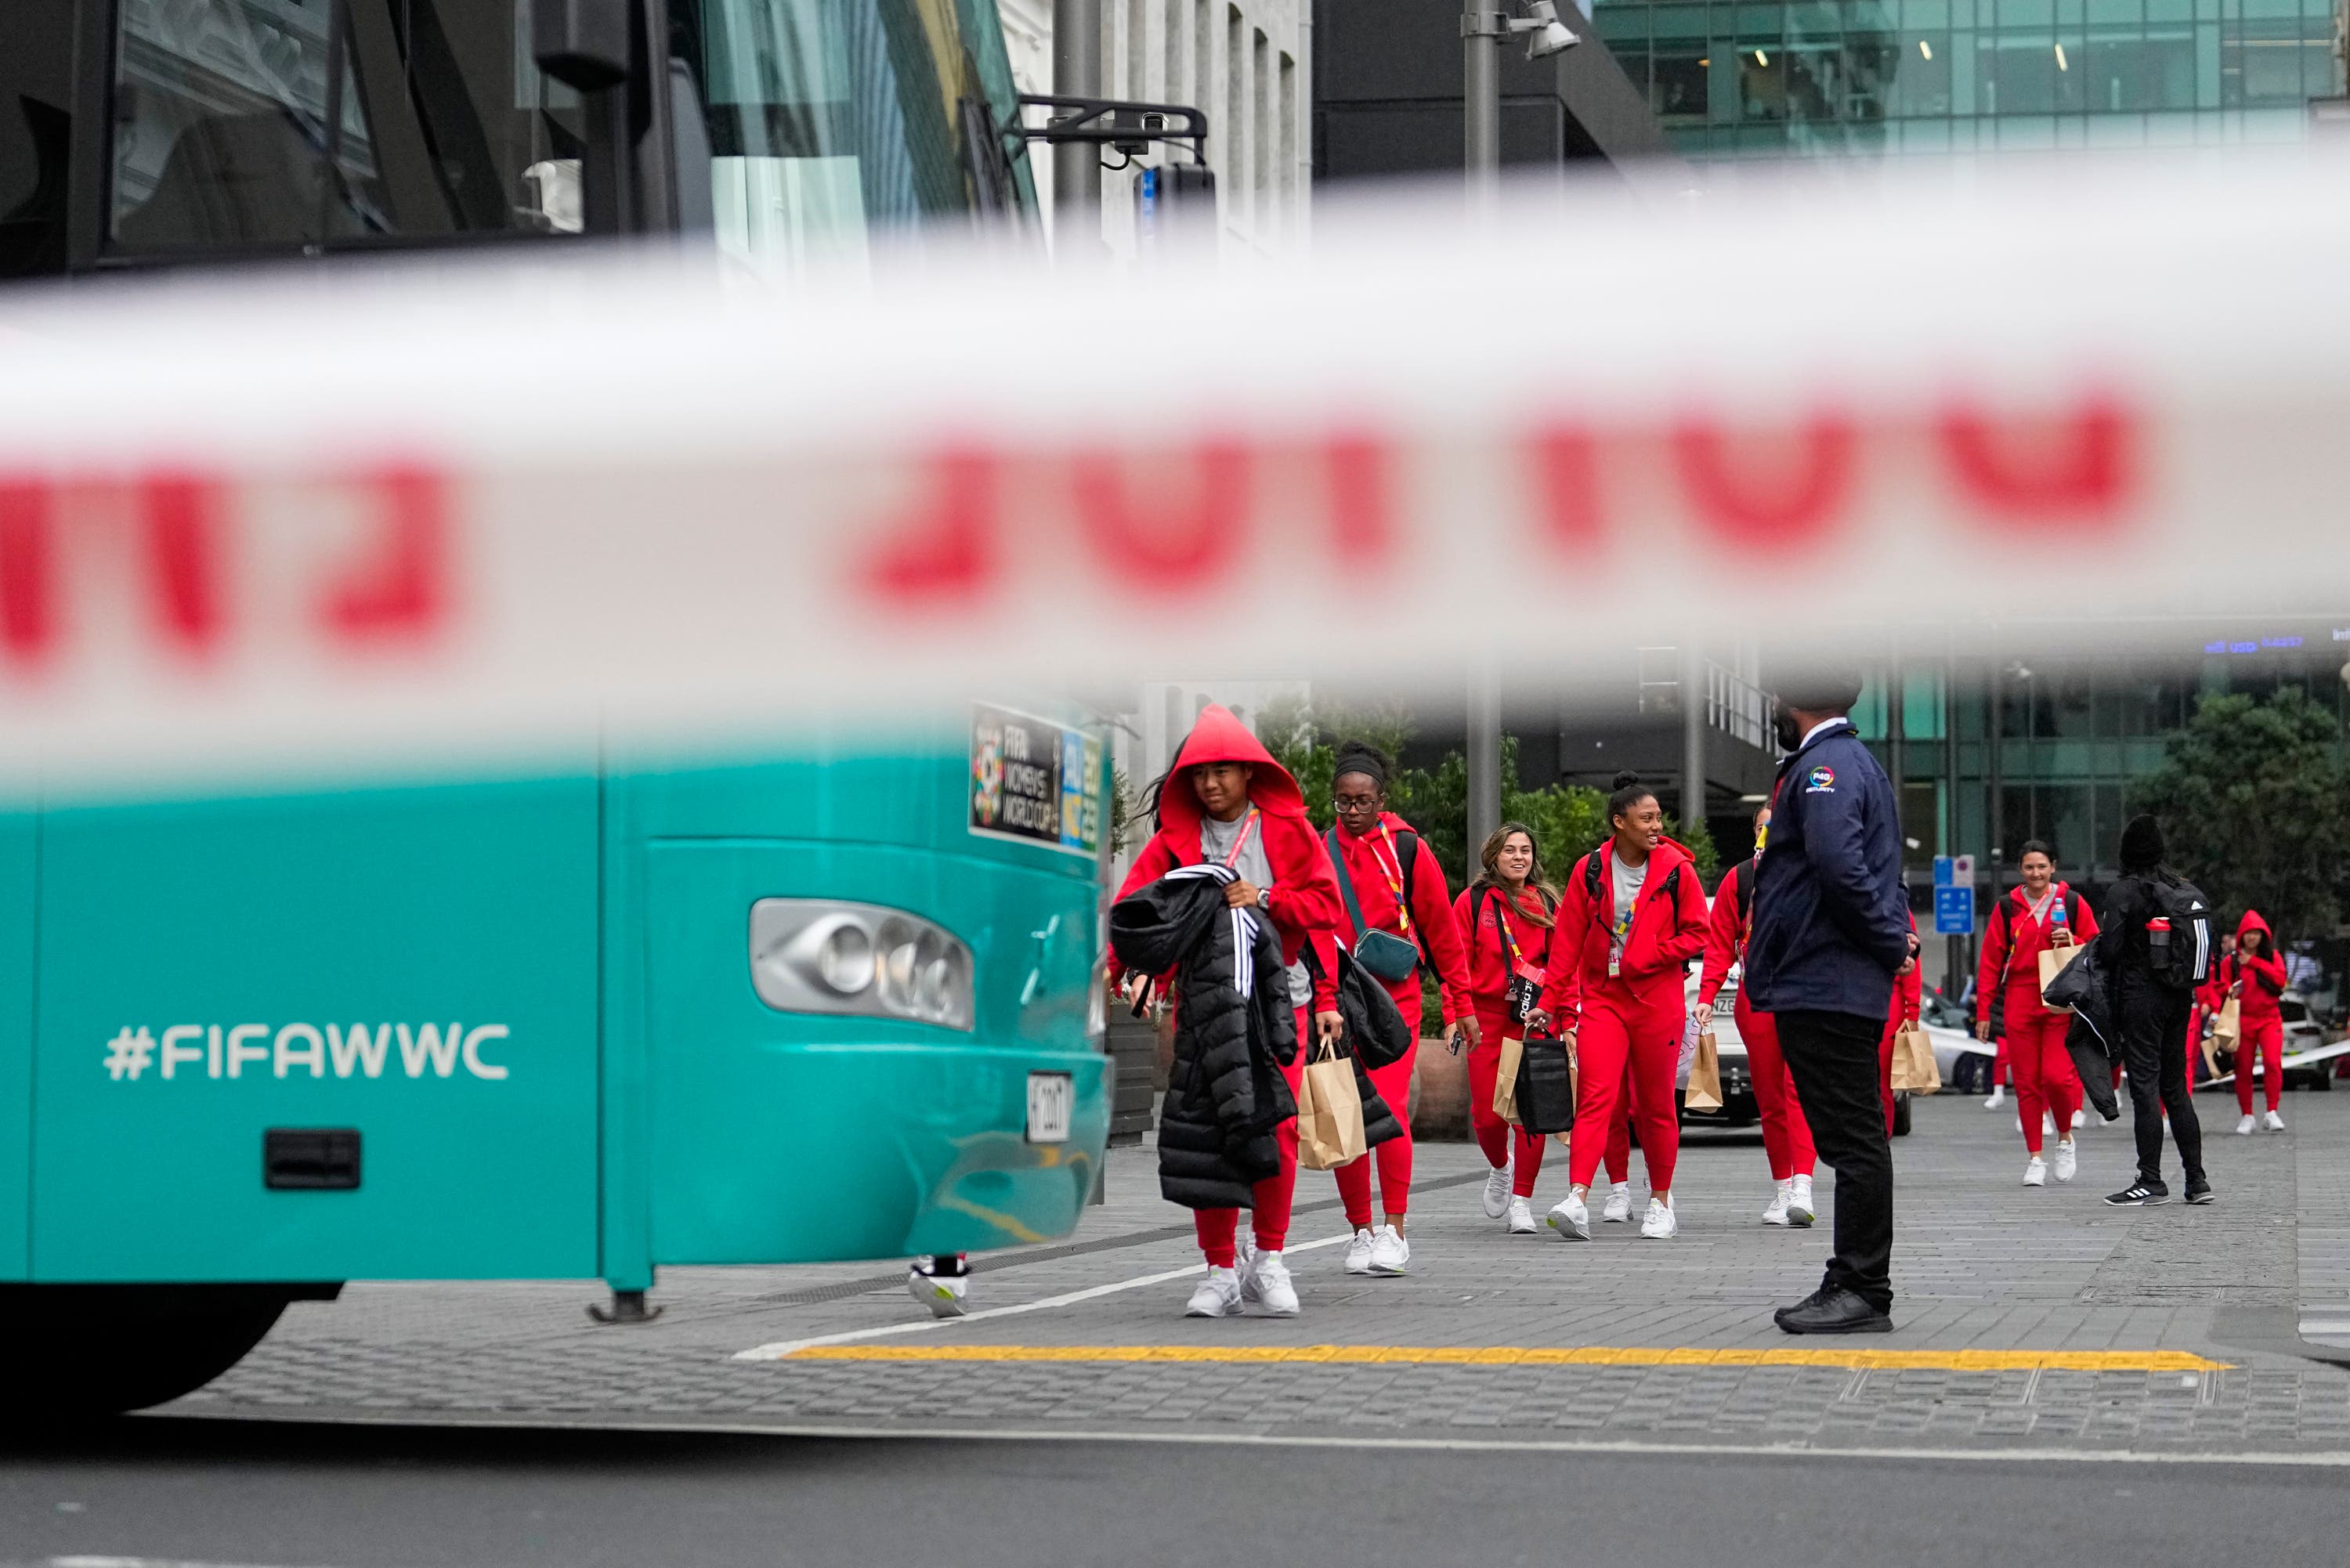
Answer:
(1833, 1057)
(2153, 1050)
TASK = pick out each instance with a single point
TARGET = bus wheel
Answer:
(86, 1351)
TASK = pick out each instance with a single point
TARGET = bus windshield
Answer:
(246, 125)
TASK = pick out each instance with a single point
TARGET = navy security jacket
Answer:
(1830, 918)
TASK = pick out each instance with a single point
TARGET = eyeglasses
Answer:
(1354, 803)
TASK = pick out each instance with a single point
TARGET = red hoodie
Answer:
(1664, 936)
(1727, 929)
(1489, 950)
(1909, 990)
(2263, 976)
(2012, 941)
(1304, 899)
(1374, 866)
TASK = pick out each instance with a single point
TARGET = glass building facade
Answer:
(1813, 77)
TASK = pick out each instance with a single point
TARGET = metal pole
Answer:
(1481, 32)
(1693, 697)
(1076, 166)
(1955, 980)
(1485, 753)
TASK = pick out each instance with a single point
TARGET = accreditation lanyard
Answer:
(1392, 869)
(1248, 825)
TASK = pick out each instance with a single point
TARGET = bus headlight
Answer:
(825, 955)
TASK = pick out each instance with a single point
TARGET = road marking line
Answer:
(87, 1562)
(783, 1348)
(2172, 1361)
(2322, 1458)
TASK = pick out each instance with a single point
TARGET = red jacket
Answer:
(1725, 934)
(2263, 976)
(1909, 990)
(1664, 934)
(1374, 866)
(1304, 898)
(2012, 941)
(1489, 953)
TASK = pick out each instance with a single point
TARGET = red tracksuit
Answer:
(1303, 903)
(1786, 1136)
(1374, 866)
(2259, 1020)
(1908, 999)
(2012, 941)
(1502, 921)
(1634, 1017)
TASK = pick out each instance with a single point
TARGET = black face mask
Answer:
(1784, 730)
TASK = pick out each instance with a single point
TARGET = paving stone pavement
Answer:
(1980, 1263)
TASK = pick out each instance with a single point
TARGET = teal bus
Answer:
(575, 1013)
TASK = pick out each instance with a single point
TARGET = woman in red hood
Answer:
(2043, 913)
(1398, 888)
(1224, 798)
(2255, 978)
(1633, 916)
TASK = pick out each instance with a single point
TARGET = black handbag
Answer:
(1545, 1085)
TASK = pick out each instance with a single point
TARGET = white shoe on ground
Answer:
(1358, 1251)
(1390, 1251)
(2036, 1173)
(1996, 1098)
(1799, 1212)
(2080, 1116)
(1776, 1213)
(1522, 1217)
(2274, 1122)
(1571, 1219)
(947, 1295)
(1497, 1189)
(1660, 1225)
(1268, 1284)
(1218, 1296)
(2068, 1160)
(1618, 1208)
(2244, 1127)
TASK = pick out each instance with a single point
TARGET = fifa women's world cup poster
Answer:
(1034, 781)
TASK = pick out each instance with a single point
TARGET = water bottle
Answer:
(2056, 919)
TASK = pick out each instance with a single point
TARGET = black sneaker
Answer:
(2199, 1192)
(2140, 1194)
(1830, 1310)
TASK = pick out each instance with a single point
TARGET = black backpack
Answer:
(1592, 873)
(2180, 957)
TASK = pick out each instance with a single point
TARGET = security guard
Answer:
(1831, 928)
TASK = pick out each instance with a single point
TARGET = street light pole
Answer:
(1076, 166)
(1482, 31)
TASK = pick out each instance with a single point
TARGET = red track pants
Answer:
(2267, 1038)
(1393, 1157)
(1786, 1136)
(1621, 1030)
(2044, 1077)
(1885, 1068)
(1218, 1228)
(1497, 1137)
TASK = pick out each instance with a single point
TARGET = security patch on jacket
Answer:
(1823, 781)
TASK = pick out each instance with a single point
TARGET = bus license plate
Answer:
(1051, 1099)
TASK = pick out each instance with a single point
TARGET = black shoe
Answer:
(2141, 1194)
(2199, 1192)
(1832, 1310)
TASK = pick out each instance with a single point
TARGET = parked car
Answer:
(1963, 1061)
(2309, 1062)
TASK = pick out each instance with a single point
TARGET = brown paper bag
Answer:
(1705, 1076)
(1505, 1079)
(1914, 1067)
(2051, 964)
(1329, 1112)
(2229, 1026)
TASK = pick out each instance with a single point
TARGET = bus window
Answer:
(828, 119)
(36, 122)
(270, 123)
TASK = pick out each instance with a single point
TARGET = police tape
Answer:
(514, 502)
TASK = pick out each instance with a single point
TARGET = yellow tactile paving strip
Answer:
(1852, 1358)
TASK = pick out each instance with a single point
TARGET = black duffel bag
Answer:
(1545, 1085)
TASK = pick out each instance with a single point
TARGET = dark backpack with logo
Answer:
(2180, 955)
(1592, 873)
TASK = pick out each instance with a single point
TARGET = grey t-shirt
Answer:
(1256, 870)
(1628, 881)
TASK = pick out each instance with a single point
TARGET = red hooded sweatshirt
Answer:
(1664, 934)
(2012, 941)
(1374, 866)
(2263, 976)
(1909, 990)
(1727, 929)
(1490, 963)
(1304, 898)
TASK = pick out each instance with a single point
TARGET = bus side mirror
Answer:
(583, 44)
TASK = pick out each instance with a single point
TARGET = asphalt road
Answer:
(190, 1491)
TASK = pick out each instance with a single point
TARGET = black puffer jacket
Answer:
(1234, 1030)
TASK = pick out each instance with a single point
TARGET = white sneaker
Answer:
(945, 1294)
(2274, 1122)
(1218, 1296)
(1522, 1217)
(1497, 1189)
(1571, 1219)
(2080, 1116)
(1389, 1252)
(1776, 1214)
(2036, 1173)
(1267, 1283)
(1660, 1225)
(2068, 1161)
(1997, 1097)
(1799, 1212)
(1358, 1251)
(2244, 1127)
(1619, 1204)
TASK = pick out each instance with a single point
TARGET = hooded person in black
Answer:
(2149, 1016)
